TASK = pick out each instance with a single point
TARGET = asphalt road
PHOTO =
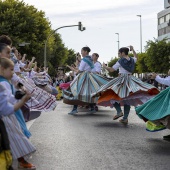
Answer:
(96, 142)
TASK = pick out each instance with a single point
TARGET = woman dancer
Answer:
(126, 89)
(97, 65)
(84, 84)
(157, 110)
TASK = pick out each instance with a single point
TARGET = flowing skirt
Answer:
(19, 144)
(82, 87)
(157, 109)
(21, 120)
(40, 99)
(43, 80)
(125, 89)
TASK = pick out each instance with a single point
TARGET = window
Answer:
(161, 20)
(162, 31)
(167, 17)
(167, 30)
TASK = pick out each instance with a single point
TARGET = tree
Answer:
(141, 66)
(158, 56)
(59, 52)
(110, 64)
(24, 23)
(71, 59)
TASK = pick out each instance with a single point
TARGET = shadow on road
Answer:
(159, 146)
(111, 124)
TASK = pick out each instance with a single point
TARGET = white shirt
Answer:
(6, 107)
(21, 64)
(15, 79)
(8, 91)
(121, 69)
(165, 81)
(97, 67)
(17, 68)
(84, 66)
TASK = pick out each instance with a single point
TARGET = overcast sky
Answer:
(102, 19)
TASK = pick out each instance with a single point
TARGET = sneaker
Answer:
(124, 121)
(26, 165)
(166, 137)
(73, 112)
(151, 127)
(117, 116)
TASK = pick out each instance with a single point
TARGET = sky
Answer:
(102, 19)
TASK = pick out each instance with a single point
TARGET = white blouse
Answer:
(121, 69)
(84, 66)
(164, 81)
(97, 67)
(6, 107)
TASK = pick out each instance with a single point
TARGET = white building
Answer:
(164, 22)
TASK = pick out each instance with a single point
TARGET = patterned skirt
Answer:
(157, 109)
(40, 99)
(19, 144)
(82, 87)
(43, 80)
(125, 89)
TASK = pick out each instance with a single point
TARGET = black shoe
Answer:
(166, 137)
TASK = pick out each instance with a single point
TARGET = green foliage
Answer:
(24, 23)
(59, 52)
(71, 59)
(158, 53)
(141, 66)
(110, 64)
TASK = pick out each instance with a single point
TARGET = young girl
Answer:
(19, 144)
(84, 84)
(10, 90)
(126, 89)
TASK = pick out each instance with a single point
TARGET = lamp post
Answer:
(118, 40)
(80, 27)
(23, 44)
(140, 32)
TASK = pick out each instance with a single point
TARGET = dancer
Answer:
(97, 65)
(157, 110)
(84, 84)
(126, 89)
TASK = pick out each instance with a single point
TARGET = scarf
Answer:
(4, 79)
(128, 65)
(89, 61)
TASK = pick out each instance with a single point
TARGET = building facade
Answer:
(164, 22)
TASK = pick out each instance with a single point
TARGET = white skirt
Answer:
(20, 145)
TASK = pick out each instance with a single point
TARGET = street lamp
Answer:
(80, 27)
(23, 44)
(118, 40)
(140, 32)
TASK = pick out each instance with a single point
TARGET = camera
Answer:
(19, 94)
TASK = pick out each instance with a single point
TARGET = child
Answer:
(19, 144)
